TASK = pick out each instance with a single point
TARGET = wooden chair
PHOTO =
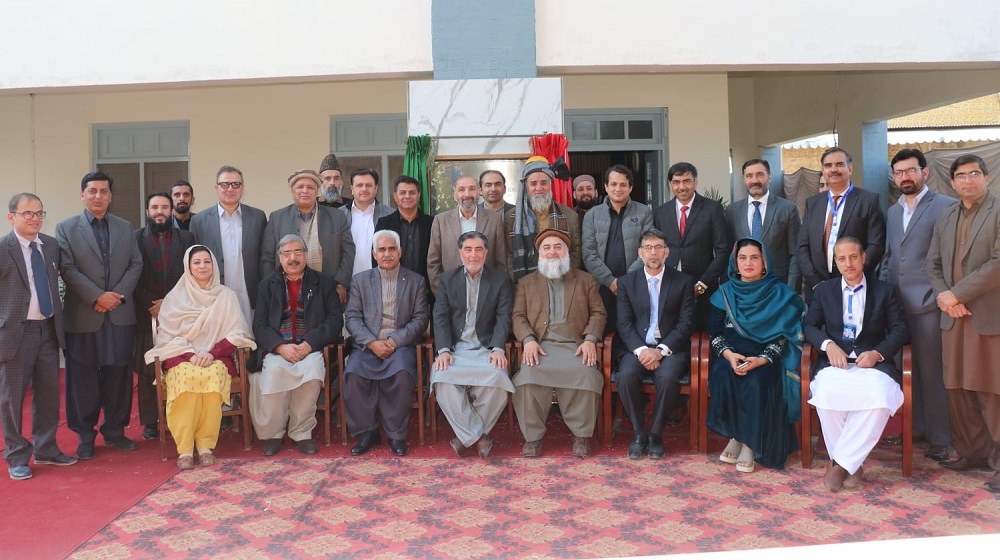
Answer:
(809, 357)
(690, 386)
(344, 349)
(239, 397)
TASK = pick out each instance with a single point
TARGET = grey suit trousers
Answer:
(930, 401)
(36, 364)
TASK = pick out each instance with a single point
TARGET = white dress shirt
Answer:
(34, 314)
(231, 229)
(363, 231)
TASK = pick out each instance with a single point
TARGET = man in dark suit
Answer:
(472, 322)
(412, 225)
(857, 324)
(697, 235)
(772, 220)
(908, 237)
(324, 229)
(31, 332)
(386, 316)
(363, 212)
(162, 247)
(657, 340)
(843, 211)
(101, 265)
(182, 194)
(234, 233)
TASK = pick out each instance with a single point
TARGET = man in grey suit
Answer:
(387, 313)
(362, 214)
(964, 267)
(771, 220)
(31, 333)
(234, 233)
(910, 224)
(101, 265)
(325, 231)
(471, 325)
(465, 217)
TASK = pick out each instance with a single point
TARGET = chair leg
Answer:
(341, 409)
(805, 443)
(609, 419)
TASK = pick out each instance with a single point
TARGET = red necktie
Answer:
(684, 219)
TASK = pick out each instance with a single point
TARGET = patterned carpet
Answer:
(557, 507)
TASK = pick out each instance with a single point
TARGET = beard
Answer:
(182, 208)
(540, 202)
(586, 204)
(910, 188)
(553, 269)
(329, 194)
(158, 228)
(467, 205)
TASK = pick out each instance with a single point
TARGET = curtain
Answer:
(553, 147)
(419, 155)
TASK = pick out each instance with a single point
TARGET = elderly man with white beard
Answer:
(558, 318)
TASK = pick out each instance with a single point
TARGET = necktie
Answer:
(654, 311)
(829, 223)
(758, 221)
(684, 219)
(41, 278)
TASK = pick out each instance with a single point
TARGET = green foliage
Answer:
(716, 196)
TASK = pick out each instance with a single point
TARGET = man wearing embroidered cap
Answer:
(332, 188)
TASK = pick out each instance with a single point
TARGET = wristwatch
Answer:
(700, 288)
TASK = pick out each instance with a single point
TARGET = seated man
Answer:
(387, 313)
(471, 326)
(558, 317)
(657, 337)
(298, 313)
(858, 325)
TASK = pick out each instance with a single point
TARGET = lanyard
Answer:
(835, 226)
(850, 301)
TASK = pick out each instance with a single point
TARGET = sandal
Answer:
(207, 459)
(731, 452)
(185, 462)
(745, 463)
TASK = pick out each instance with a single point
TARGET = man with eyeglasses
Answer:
(842, 211)
(363, 213)
(964, 267)
(234, 232)
(297, 315)
(909, 227)
(325, 230)
(30, 338)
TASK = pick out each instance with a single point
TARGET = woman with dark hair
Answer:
(756, 328)
(200, 326)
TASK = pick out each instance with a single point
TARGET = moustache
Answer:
(294, 262)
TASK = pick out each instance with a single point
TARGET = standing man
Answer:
(611, 233)
(585, 193)
(655, 315)
(471, 326)
(558, 318)
(909, 228)
(182, 194)
(697, 236)
(841, 211)
(100, 264)
(964, 267)
(494, 187)
(362, 214)
(412, 225)
(30, 338)
(333, 182)
(233, 232)
(387, 314)
(769, 219)
(325, 230)
(466, 217)
(162, 248)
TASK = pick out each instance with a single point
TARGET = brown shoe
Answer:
(457, 446)
(207, 459)
(581, 446)
(854, 480)
(835, 476)
(185, 462)
(993, 484)
(484, 446)
(963, 464)
(532, 449)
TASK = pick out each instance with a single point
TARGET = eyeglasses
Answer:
(290, 252)
(653, 247)
(908, 171)
(226, 185)
(970, 176)
(29, 215)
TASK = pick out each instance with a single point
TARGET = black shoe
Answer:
(963, 464)
(637, 447)
(365, 444)
(85, 451)
(19, 472)
(398, 446)
(656, 448)
(306, 446)
(938, 453)
(122, 443)
(993, 484)
(60, 460)
(151, 432)
(272, 446)
(894, 440)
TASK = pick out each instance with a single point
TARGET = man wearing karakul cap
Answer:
(332, 187)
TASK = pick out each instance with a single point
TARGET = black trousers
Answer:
(666, 379)
(91, 389)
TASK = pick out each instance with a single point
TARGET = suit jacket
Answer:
(978, 290)
(905, 262)
(585, 313)
(180, 240)
(15, 292)
(779, 234)
(394, 222)
(207, 232)
(596, 229)
(493, 308)
(676, 310)
(334, 236)
(364, 308)
(381, 211)
(884, 328)
(82, 270)
(862, 217)
(443, 253)
(705, 246)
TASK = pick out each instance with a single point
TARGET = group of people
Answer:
(286, 286)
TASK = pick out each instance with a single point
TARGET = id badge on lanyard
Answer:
(850, 328)
(835, 226)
